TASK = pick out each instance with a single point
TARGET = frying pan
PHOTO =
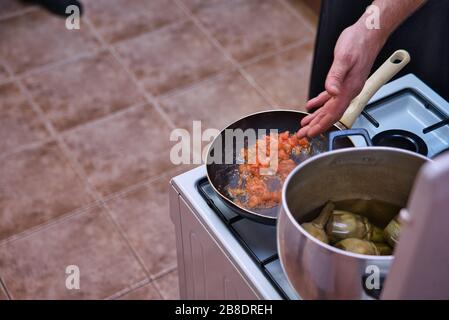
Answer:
(220, 173)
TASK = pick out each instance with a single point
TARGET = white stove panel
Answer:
(408, 112)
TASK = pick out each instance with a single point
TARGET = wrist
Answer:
(374, 38)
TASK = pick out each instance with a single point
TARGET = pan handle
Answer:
(333, 135)
(398, 60)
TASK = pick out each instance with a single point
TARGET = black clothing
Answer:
(58, 6)
(425, 35)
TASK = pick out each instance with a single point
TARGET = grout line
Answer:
(52, 65)
(156, 285)
(165, 272)
(50, 223)
(25, 147)
(142, 184)
(104, 118)
(210, 79)
(227, 55)
(128, 289)
(18, 13)
(124, 236)
(273, 53)
(161, 29)
(6, 81)
(295, 12)
(149, 97)
(5, 289)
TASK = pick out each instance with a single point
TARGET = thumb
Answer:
(339, 69)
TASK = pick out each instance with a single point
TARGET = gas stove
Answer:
(408, 104)
(222, 255)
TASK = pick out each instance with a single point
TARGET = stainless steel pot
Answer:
(320, 271)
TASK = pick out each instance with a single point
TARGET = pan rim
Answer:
(271, 220)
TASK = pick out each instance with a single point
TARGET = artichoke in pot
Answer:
(392, 231)
(343, 225)
(316, 227)
(364, 247)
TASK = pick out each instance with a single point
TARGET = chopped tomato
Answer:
(303, 142)
(252, 183)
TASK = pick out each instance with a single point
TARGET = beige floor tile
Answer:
(3, 74)
(19, 124)
(250, 28)
(215, 103)
(37, 185)
(3, 295)
(121, 19)
(285, 76)
(169, 286)
(143, 215)
(34, 267)
(83, 90)
(146, 292)
(172, 57)
(123, 149)
(308, 12)
(37, 38)
(8, 7)
(195, 5)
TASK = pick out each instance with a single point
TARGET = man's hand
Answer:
(354, 55)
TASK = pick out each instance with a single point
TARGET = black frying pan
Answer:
(218, 172)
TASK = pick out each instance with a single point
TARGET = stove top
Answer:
(406, 103)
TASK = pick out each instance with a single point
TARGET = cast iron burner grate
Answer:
(258, 239)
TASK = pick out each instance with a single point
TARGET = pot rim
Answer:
(327, 154)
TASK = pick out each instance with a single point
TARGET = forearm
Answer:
(354, 55)
(391, 15)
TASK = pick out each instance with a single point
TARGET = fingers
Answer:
(306, 120)
(343, 62)
(309, 121)
(321, 126)
(322, 119)
(318, 101)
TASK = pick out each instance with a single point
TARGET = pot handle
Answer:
(398, 60)
(333, 135)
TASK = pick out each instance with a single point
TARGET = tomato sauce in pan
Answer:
(258, 188)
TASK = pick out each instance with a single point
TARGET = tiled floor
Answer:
(85, 119)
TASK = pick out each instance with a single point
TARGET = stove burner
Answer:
(401, 139)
